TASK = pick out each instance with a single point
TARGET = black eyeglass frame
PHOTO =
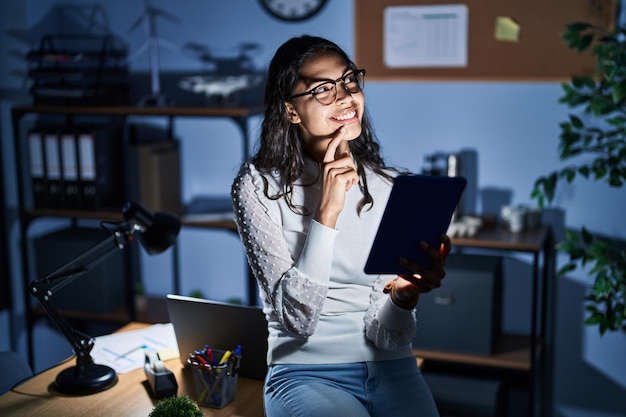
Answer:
(311, 92)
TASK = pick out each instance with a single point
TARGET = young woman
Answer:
(307, 207)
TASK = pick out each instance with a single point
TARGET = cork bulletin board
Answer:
(501, 40)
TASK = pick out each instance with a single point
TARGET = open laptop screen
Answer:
(198, 322)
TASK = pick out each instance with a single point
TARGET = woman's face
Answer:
(318, 123)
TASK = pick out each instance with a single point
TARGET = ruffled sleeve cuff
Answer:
(394, 318)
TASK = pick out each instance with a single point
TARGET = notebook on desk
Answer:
(198, 322)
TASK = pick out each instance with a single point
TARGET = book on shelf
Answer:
(37, 168)
(87, 170)
(100, 160)
(69, 171)
(53, 169)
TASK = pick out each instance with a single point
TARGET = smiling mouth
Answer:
(346, 116)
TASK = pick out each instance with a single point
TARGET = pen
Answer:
(225, 357)
(214, 386)
(205, 390)
(199, 365)
(201, 359)
(130, 351)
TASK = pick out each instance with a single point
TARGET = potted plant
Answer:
(176, 407)
(196, 294)
(595, 138)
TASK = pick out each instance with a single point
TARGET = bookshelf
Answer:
(525, 358)
(24, 116)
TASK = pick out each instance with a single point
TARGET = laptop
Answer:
(198, 322)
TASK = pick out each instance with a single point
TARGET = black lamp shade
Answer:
(161, 235)
(158, 230)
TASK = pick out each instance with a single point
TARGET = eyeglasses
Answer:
(326, 92)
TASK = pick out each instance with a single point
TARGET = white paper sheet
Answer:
(124, 351)
(425, 36)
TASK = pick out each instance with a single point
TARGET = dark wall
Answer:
(4, 254)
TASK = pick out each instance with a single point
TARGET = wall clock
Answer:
(293, 10)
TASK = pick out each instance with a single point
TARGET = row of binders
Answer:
(76, 169)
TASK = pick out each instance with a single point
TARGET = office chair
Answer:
(13, 369)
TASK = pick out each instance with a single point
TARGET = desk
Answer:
(129, 397)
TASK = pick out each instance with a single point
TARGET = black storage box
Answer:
(99, 290)
(464, 314)
(463, 396)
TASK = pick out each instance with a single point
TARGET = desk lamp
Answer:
(157, 232)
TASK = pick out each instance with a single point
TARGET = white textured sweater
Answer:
(320, 305)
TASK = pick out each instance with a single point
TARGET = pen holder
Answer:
(215, 385)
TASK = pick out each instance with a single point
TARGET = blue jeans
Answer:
(387, 388)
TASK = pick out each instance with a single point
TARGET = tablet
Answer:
(420, 207)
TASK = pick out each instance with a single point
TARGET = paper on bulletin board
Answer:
(425, 36)
(506, 29)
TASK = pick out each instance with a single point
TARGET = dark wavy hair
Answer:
(281, 150)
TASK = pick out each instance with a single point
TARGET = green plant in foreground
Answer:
(597, 138)
(176, 407)
(196, 294)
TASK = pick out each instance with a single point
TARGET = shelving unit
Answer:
(28, 214)
(5, 277)
(525, 356)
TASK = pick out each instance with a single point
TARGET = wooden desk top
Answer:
(129, 397)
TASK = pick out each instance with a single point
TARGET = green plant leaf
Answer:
(593, 319)
(619, 91)
(615, 179)
(599, 168)
(569, 174)
(572, 96)
(567, 268)
(576, 121)
(596, 137)
(577, 27)
(584, 42)
(543, 189)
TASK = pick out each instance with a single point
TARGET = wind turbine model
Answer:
(149, 17)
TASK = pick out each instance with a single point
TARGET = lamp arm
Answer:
(81, 343)
(44, 289)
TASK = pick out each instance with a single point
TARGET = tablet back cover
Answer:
(420, 207)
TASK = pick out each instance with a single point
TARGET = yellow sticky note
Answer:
(506, 29)
(165, 354)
